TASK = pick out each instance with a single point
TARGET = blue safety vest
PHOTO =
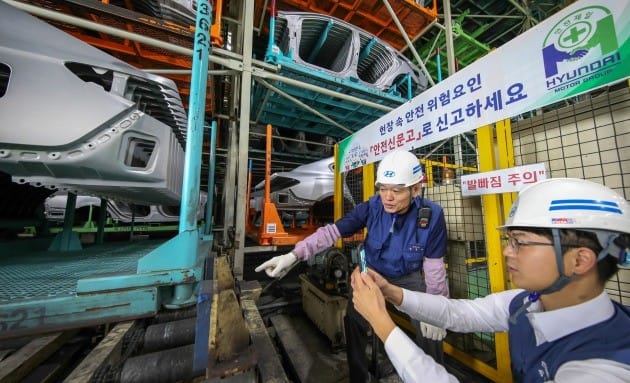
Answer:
(531, 363)
(396, 246)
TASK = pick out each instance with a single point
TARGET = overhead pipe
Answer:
(261, 107)
(293, 139)
(409, 44)
(211, 72)
(426, 27)
(504, 33)
(459, 33)
(478, 16)
(422, 32)
(450, 48)
(303, 105)
(435, 43)
(306, 86)
(527, 14)
(262, 17)
(438, 62)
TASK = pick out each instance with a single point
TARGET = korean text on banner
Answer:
(583, 47)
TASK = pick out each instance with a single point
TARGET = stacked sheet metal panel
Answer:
(119, 212)
(331, 54)
(372, 16)
(326, 44)
(75, 118)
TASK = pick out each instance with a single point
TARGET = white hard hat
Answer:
(571, 203)
(399, 168)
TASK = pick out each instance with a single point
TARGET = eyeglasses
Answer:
(396, 190)
(515, 243)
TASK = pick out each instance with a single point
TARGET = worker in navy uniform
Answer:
(564, 239)
(406, 238)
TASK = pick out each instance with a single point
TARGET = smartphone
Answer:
(363, 261)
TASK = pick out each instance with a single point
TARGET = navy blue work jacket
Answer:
(397, 251)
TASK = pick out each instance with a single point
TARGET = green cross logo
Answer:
(576, 35)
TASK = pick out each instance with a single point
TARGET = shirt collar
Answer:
(552, 325)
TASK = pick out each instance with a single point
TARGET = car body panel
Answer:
(77, 119)
(55, 209)
(298, 190)
(347, 52)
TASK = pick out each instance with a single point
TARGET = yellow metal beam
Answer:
(428, 166)
(368, 181)
(368, 185)
(493, 217)
(338, 187)
(338, 193)
(505, 151)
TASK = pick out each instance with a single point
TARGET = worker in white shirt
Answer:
(564, 238)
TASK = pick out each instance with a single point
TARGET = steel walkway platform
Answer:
(43, 290)
(41, 274)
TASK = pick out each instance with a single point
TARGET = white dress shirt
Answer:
(491, 314)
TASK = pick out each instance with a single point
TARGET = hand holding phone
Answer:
(363, 261)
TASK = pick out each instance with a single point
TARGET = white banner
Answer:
(583, 47)
(503, 181)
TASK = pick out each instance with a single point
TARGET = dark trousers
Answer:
(356, 328)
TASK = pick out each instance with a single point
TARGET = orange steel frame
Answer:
(271, 230)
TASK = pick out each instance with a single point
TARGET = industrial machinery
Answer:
(324, 289)
(330, 271)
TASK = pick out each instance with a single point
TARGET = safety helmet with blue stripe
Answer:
(572, 203)
(399, 167)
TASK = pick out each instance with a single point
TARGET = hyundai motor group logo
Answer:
(565, 48)
(389, 173)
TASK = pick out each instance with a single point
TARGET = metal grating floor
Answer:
(50, 274)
